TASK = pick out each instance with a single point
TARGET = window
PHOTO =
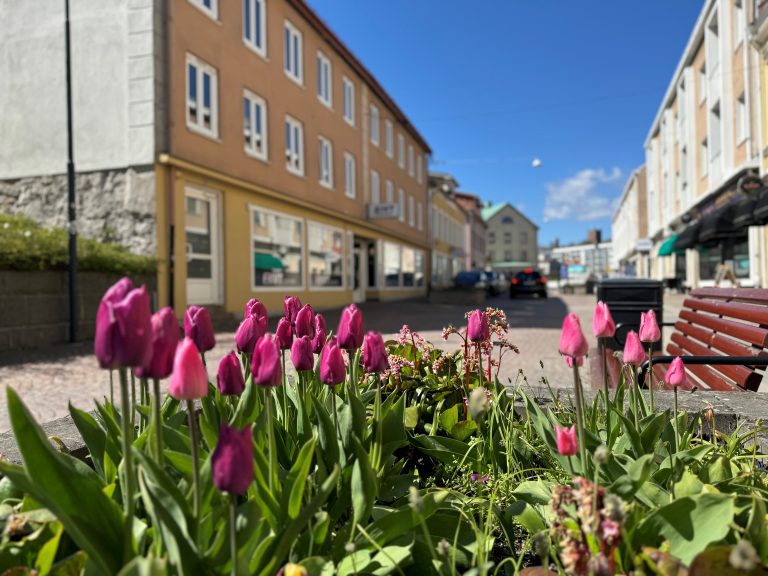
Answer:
(507, 237)
(741, 119)
(374, 125)
(326, 163)
(410, 160)
(294, 146)
(420, 216)
(714, 131)
(375, 188)
(419, 266)
(255, 25)
(389, 144)
(408, 265)
(684, 167)
(419, 168)
(507, 255)
(390, 191)
(523, 237)
(704, 158)
(401, 201)
(713, 45)
(507, 220)
(400, 151)
(255, 125)
(350, 175)
(326, 256)
(411, 211)
(491, 237)
(202, 97)
(324, 80)
(292, 53)
(391, 264)
(210, 7)
(349, 101)
(277, 240)
(524, 255)
(702, 83)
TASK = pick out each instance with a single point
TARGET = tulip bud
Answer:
(291, 306)
(332, 370)
(572, 341)
(633, 350)
(303, 324)
(284, 334)
(350, 333)
(256, 309)
(579, 361)
(265, 365)
(301, 354)
(188, 379)
(374, 353)
(649, 328)
(165, 339)
(675, 375)
(232, 460)
(567, 442)
(318, 342)
(229, 377)
(478, 327)
(198, 327)
(123, 327)
(479, 403)
(248, 333)
(291, 569)
(603, 325)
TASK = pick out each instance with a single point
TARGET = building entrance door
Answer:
(360, 274)
(202, 246)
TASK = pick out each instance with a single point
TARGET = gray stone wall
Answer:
(35, 306)
(112, 205)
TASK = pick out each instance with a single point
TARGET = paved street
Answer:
(48, 380)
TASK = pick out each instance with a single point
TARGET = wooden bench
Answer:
(722, 336)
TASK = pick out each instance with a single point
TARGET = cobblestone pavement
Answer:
(47, 380)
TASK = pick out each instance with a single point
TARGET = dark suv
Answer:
(528, 281)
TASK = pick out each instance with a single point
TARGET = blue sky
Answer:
(493, 84)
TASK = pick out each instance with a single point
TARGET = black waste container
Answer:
(627, 298)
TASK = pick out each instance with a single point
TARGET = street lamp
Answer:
(71, 205)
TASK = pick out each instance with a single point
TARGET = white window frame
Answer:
(325, 157)
(741, 119)
(704, 157)
(390, 191)
(255, 288)
(324, 79)
(715, 135)
(255, 6)
(420, 216)
(383, 276)
(201, 68)
(296, 37)
(350, 175)
(419, 168)
(389, 144)
(410, 161)
(401, 201)
(253, 101)
(349, 101)
(295, 165)
(212, 12)
(401, 151)
(344, 259)
(375, 187)
(411, 211)
(375, 125)
(702, 77)
(740, 23)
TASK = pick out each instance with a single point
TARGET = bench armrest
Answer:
(707, 360)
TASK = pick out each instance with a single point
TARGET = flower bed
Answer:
(339, 453)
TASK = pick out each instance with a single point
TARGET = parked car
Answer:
(528, 281)
(492, 282)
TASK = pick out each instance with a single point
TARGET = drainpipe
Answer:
(171, 172)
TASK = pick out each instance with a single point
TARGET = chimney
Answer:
(594, 236)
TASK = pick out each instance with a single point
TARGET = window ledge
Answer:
(203, 132)
(262, 53)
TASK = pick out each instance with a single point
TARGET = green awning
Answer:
(267, 262)
(667, 248)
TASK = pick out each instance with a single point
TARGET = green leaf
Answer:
(756, 528)
(651, 428)
(69, 488)
(637, 474)
(525, 515)
(47, 555)
(444, 449)
(293, 489)
(391, 526)
(326, 433)
(363, 484)
(141, 566)
(536, 492)
(411, 417)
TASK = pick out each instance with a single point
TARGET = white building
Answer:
(629, 226)
(582, 262)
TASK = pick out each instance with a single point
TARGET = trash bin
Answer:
(627, 298)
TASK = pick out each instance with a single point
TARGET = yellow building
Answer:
(448, 230)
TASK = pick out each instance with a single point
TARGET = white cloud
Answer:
(582, 196)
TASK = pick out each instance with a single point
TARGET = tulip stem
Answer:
(335, 414)
(579, 417)
(285, 394)
(650, 372)
(635, 393)
(676, 426)
(133, 402)
(158, 421)
(268, 402)
(479, 364)
(127, 438)
(606, 391)
(195, 463)
(233, 531)
(112, 387)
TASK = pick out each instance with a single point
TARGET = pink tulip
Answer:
(579, 361)
(265, 365)
(303, 324)
(350, 331)
(189, 379)
(291, 307)
(284, 334)
(256, 310)
(649, 328)
(229, 377)
(633, 350)
(374, 353)
(123, 327)
(567, 442)
(248, 333)
(603, 325)
(319, 340)
(165, 339)
(198, 327)
(332, 370)
(675, 375)
(301, 354)
(572, 341)
(478, 327)
(232, 460)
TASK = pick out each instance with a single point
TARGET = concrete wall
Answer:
(36, 306)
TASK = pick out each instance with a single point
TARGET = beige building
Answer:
(629, 228)
(474, 231)
(511, 239)
(448, 221)
(702, 144)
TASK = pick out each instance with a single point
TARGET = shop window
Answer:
(409, 267)
(391, 265)
(277, 250)
(419, 266)
(326, 256)
(741, 258)
(709, 259)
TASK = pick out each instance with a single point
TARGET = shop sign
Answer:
(750, 183)
(384, 210)
(644, 245)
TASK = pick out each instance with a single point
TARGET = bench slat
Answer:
(751, 334)
(718, 342)
(756, 295)
(748, 312)
(707, 375)
(741, 375)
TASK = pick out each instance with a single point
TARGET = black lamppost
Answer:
(71, 206)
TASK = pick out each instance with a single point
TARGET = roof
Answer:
(491, 211)
(329, 36)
